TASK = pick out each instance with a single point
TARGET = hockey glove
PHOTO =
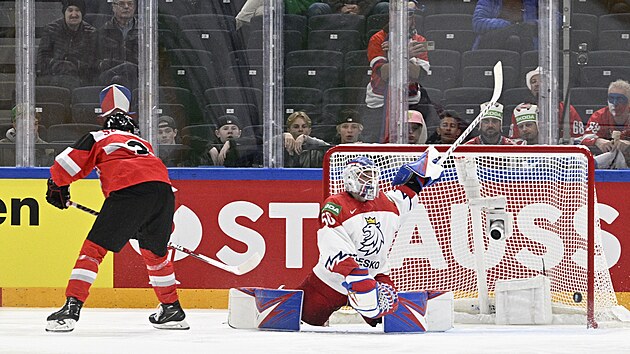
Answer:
(421, 173)
(368, 297)
(56, 195)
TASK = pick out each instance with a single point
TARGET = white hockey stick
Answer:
(241, 269)
(498, 88)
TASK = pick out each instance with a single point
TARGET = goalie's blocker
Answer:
(421, 173)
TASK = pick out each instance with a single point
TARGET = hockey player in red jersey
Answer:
(139, 203)
(357, 229)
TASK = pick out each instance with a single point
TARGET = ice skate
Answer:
(65, 319)
(169, 316)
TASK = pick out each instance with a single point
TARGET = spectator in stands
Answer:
(232, 150)
(118, 46)
(349, 127)
(378, 56)
(490, 127)
(65, 54)
(450, 128)
(253, 8)
(302, 149)
(532, 79)
(167, 130)
(354, 7)
(43, 157)
(526, 117)
(506, 24)
(613, 149)
(417, 128)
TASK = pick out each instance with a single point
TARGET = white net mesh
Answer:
(547, 195)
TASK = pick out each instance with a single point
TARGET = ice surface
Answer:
(128, 331)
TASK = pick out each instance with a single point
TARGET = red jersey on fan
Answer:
(121, 159)
(601, 124)
(577, 127)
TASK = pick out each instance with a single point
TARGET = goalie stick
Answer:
(241, 269)
(496, 93)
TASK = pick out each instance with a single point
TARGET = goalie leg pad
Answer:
(279, 309)
(271, 309)
(410, 315)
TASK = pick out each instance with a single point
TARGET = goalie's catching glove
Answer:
(56, 195)
(421, 173)
(370, 298)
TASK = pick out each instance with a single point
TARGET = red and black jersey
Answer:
(121, 159)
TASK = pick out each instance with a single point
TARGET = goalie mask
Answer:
(120, 121)
(361, 176)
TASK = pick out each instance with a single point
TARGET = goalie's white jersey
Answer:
(359, 234)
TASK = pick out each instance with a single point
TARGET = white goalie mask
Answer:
(361, 176)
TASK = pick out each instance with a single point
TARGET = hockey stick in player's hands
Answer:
(241, 269)
(496, 93)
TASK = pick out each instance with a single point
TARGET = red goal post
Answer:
(548, 194)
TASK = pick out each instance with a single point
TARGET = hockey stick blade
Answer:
(240, 269)
(496, 93)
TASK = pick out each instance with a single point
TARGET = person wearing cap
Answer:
(450, 128)
(139, 203)
(532, 80)
(349, 127)
(118, 46)
(232, 150)
(167, 130)
(600, 131)
(490, 127)
(526, 117)
(67, 47)
(417, 128)
(302, 149)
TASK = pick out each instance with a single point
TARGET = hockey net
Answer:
(549, 193)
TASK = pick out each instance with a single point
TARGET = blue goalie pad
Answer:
(410, 315)
(279, 309)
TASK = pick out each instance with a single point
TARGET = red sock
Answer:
(85, 270)
(161, 276)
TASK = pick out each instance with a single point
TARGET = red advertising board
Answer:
(229, 220)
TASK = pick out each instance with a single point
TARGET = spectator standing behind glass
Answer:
(378, 56)
(301, 149)
(526, 118)
(118, 46)
(353, 7)
(417, 128)
(532, 79)
(506, 24)
(67, 48)
(604, 122)
(253, 8)
(349, 127)
(450, 128)
(490, 127)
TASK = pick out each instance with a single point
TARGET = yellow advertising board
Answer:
(39, 243)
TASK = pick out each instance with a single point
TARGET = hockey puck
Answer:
(577, 297)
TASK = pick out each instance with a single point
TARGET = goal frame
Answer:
(480, 149)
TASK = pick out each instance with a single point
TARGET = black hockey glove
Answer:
(56, 195)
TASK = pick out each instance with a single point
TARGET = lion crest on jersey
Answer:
(373, 238)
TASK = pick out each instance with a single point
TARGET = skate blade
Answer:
(177, 325)
(60, 325)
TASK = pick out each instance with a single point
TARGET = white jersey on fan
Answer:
(359, 234)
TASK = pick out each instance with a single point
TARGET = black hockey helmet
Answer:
(120, 121)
